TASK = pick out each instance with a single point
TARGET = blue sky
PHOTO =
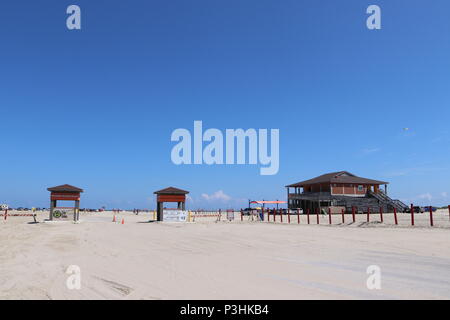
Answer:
(96, 107)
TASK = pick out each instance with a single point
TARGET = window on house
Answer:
(360, 188)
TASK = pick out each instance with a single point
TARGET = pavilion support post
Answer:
(288, 202)
(159, 211)
(329, 215)
(317, 215)
(76, 214)
(52, 207)
(431, 216)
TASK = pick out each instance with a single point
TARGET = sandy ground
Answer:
(207, 260)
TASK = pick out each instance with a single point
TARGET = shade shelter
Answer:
(65, 192)
(170, 194)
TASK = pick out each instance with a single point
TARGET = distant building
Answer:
(341, 190)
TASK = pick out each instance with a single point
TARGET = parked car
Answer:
(427, 209)
(417, 209)
(248, 211)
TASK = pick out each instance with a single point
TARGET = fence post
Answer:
(431, 216)
(289, 216)
(368, 214)
(412, 214)
(343, 216)
(381, 214)
(307, 215)
(281, 216)
(298, 216)
(6, 213)
(329, 215)
(353, 214)
(449, 212)
(395, 216)
(242, 215)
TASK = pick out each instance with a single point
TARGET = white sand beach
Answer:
(208, 260)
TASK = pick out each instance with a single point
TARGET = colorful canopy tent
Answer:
(268, 202)
(264, 202)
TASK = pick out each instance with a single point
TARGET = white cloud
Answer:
(413, 171)
(426, 196)
(370, 150)
(216, 196)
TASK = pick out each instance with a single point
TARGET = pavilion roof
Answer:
(171, 190)
(337, 177)
(65, 188)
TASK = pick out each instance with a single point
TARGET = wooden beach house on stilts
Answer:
(341, 190)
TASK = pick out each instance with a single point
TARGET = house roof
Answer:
(65, 188)
(337, 177)
(171, 190)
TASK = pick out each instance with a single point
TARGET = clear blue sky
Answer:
(95, 108)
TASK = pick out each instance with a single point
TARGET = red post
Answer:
(343, 215)
(317, 215)
(281, 215)
(449, 212)
(289, 216)
(329, 215)
(412, 214)
(6, 213)
(353, 214)
(395, 216)
(381, 214)
(307, 215)
(242, 215)
(368, 214)
(298, 216)
(431, 216)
